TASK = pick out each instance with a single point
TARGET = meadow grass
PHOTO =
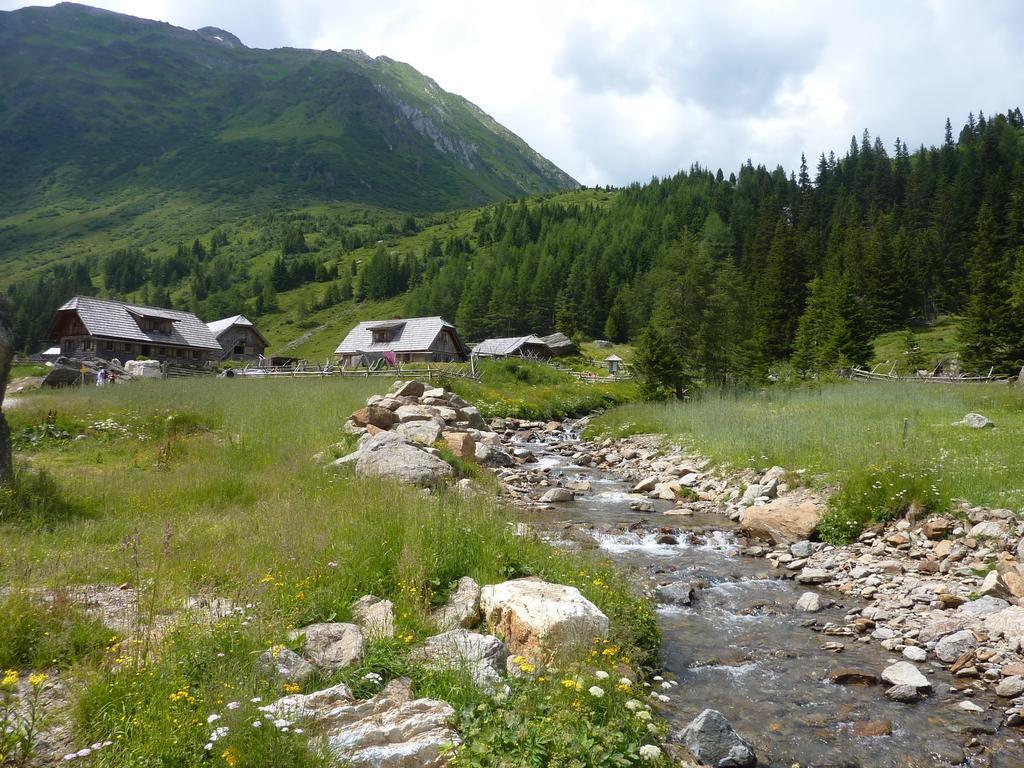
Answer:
(836, 431)
(528, 390)
(207, 487)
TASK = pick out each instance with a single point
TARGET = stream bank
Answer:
(803, 685)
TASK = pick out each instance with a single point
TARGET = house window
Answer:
(240, 348)
(195, 354)
(109, 346)
(145, 350)
(382, 336)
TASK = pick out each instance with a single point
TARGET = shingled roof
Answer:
(414, 334)
(217, 327)
(109, 319)
(507, 346)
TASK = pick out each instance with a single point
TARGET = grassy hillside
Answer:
(112, 121)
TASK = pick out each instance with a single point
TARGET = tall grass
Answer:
(839, 429)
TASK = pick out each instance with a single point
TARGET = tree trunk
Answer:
(6, 355)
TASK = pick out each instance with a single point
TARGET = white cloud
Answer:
(619, 91)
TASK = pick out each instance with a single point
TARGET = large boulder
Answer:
(462, 608)
(990, 529)
(331, 645)
(785, 520)
(713, 741)
(534, 616)
(471, 416)
(676, 593)
(286, 664)
(390, 455)
(376, 416)
(391, 730)
(482, 656)
(493, 456)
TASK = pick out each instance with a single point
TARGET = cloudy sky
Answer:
(619, 91)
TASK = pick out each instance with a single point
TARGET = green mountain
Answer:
(106, 117)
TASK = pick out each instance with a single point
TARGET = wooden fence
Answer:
(930, 378)
(425, 371)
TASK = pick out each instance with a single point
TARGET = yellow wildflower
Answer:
(229, 756)
(10, 678)
(37, 679)
(290, 687)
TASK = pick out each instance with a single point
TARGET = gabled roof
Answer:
(217, 327)
(558, 340)
(118, 320)
(414, 334)
(613, 359)
(506, 346)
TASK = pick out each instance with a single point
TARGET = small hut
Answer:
(614, 363)
(514, 346)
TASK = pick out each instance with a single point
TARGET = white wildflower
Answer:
(233, 705)
(596, 691)
(650, 752)
(213, 718)
(601, 674)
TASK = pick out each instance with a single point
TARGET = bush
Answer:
(38, 633)
(33, 498)
(876, 495)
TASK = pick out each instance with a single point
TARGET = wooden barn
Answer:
(513, 346)
(239, 338)
(87, 327)
(413, 340)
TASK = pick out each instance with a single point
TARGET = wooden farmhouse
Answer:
(413, 340)
(514, 346)
(87, 327)
(238, 338)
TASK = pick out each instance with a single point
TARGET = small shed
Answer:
(614, 363)
(513, 346)
(559, 344)
(239, 338)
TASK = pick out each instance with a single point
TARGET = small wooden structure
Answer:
(513, 346)
(560, 345)
(412, 340)
(239, 338)
(87, 327)
(614, 363)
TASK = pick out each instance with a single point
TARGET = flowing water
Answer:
(743, 649)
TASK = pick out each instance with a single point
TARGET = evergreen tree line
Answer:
(740, 272)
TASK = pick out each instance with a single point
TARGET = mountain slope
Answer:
(97, 106)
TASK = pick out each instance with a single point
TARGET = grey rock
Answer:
(557, 496)
(905, 673)
(983, 606)
(462, 608)
(481, 656)
(713, 741)
(750, 495)
(809, 602)
(391, 730)
(813, 576)
(1010, 687)
(388, 454)
(422, 432)
(906, 694)
(676, 593)
(408, 389)
(993, 529)
(285, 663)
(375, 616)
(913, 653)
(331, 646)
(801, 548)
(977, 421)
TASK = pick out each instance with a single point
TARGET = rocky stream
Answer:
(873, 655)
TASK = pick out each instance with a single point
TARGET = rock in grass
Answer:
(390, 455)
(535, 617)
(976, 421)
(713, 741)
(286, 664)
(482, 656)
(391, 730)
(375, 616)
(905, 673)
(331, 646)
(462, 608)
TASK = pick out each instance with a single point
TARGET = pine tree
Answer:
(987, 321)
(659, 365)
(616, 326)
